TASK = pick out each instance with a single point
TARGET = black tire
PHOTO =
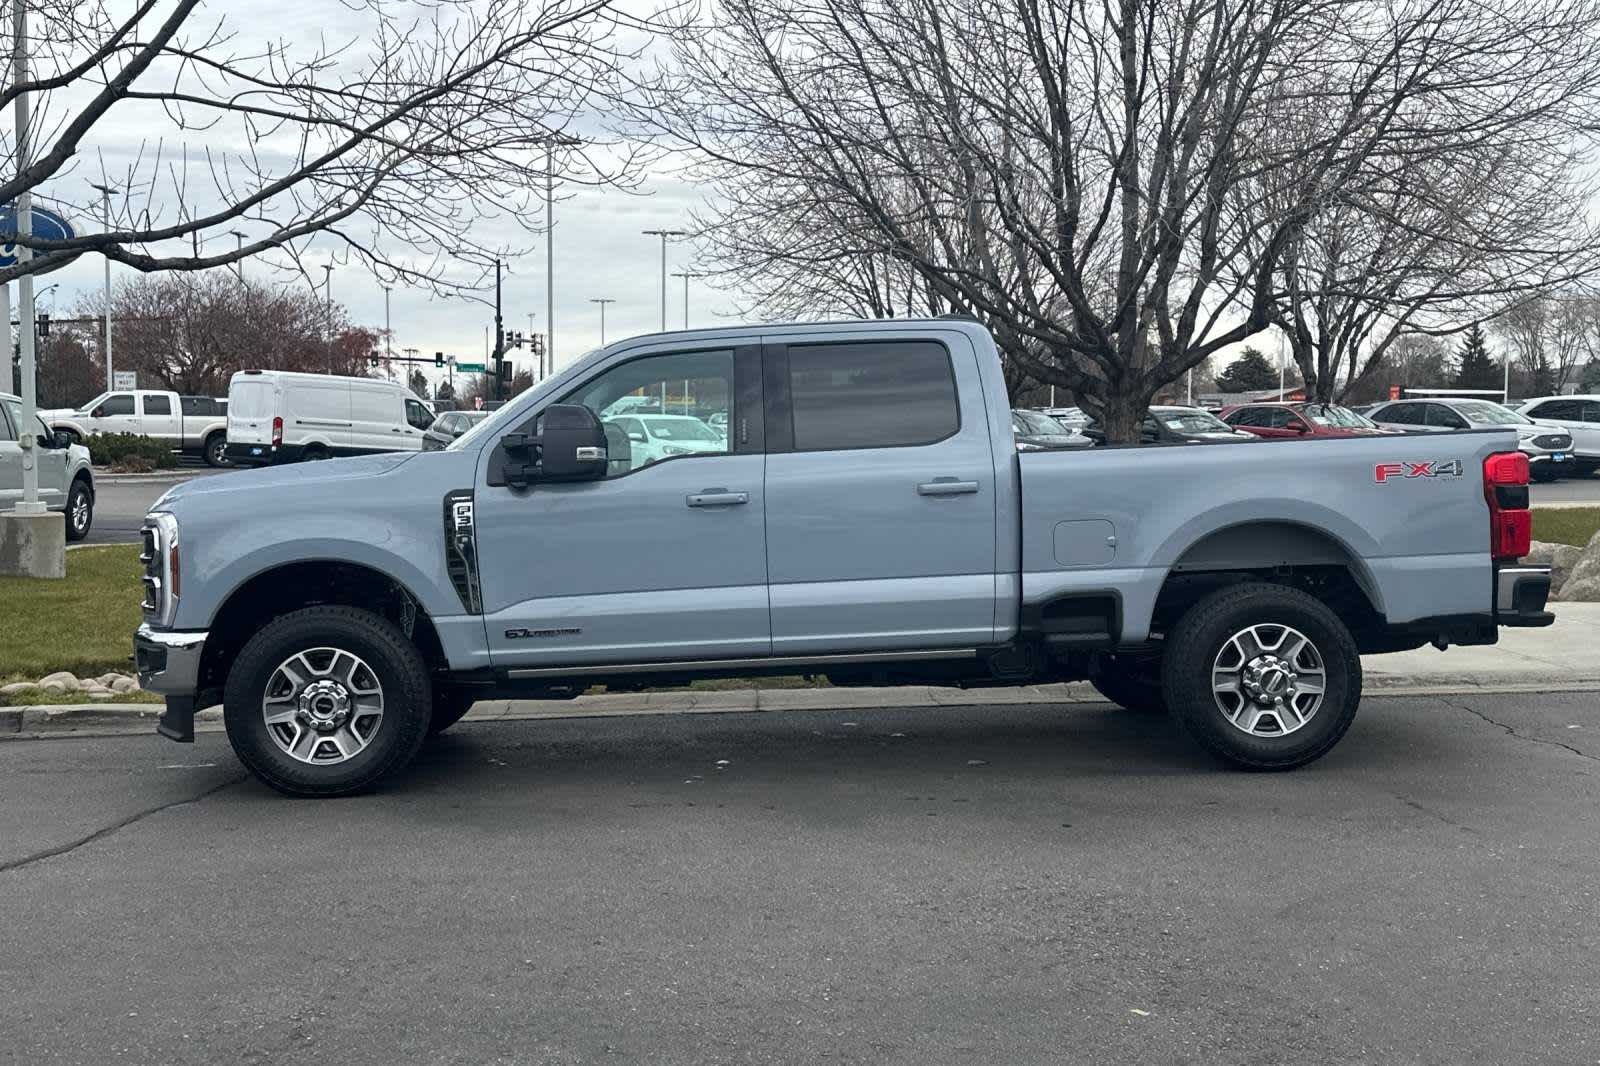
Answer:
(393, 661)
(215, 450)
(80, 509)
(1202, 635)
(450, 704)
(313, 453)
(1132, 683)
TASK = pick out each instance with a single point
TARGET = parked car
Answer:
(340, 620)
(1580, 416)
(66, 480)
(275, 416)
(1035, 431)
(1547, 446)
(1180, 425)
(1301, 419)
(1071, 417)
(652, 438)
(193, 425)
(448, 426)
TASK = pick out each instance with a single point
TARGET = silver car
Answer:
(1548, 446)
(66, 481)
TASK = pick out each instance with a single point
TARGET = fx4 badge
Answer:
(1386, 472)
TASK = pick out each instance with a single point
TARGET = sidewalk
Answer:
(1565, 656)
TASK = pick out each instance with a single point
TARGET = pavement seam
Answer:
(1447, 701)
(105, 831)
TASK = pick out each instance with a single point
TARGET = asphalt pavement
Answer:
(930, 885)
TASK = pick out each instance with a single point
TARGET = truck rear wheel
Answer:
(1263, 676)
(216, 450)
(1131, 682)
(327, 701)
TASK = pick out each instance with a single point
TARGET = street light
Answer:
(550, 142)
(105, 220)
(686, 275)
(602, 301)
(30, 502)
(238, 236)
(664, 234)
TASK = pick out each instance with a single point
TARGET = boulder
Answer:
(1582, 582)
(64, 678)
(124, 684)
(15, 686)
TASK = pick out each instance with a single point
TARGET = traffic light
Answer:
(506, 370)
(373, 361)
(438, 359)
(44, 325)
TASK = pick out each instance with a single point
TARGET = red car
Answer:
(1293, 420)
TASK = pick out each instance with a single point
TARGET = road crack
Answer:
(1512, 732)
(108, 830)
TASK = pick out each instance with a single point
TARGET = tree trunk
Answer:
(1122, 416)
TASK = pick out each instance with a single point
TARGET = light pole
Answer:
(327, 282)
(664, 234)
(686, 275)
(602, 301)
(238, 237)
(550, 142)
(30, 502)
(388, 334)
(105, 220)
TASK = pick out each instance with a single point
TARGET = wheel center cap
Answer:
(324, 705)
(1268, 678)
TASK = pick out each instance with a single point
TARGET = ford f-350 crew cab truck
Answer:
(193, 425)
(866, 516)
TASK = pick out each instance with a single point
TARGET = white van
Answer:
(278, 417)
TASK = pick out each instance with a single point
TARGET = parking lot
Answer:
(962, 884)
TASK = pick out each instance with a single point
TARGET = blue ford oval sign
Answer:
(46, 224)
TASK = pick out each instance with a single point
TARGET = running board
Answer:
(712, 665)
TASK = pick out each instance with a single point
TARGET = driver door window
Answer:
(660, 408)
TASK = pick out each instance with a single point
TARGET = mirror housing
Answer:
(61, 439)
(570, 446)
(98, 412)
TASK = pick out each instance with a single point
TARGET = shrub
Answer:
(128, 449)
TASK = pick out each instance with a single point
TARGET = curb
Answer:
(154, 477)
(138, 719)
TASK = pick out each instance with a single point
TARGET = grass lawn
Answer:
(1566, 525)
(84, 624)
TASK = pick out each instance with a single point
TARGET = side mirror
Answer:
(1299, 427)
(638, 438)
(458, 431)
(572, 444)
(61, 439)
(98, 412)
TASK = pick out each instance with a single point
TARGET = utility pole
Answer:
(30, 502)
(549, 259)
(388, 333)
(499, 339)
(664, 234)
(602, 301)
(686, 275)
(105, 220)
(238, 237)
(539, 355)
(327, 281)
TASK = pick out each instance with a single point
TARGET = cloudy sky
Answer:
(599, 249)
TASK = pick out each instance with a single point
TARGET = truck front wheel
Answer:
(1263, 676)
(327, 701)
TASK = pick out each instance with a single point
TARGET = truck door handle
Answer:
(946, 486)
(716, 498)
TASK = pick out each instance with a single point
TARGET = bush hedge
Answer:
(130, 450)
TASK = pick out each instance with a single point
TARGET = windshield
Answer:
(1489, 413)
(680, 429)
(1040, 424)
(1193, 422)
(1328, 414)
(92, 404)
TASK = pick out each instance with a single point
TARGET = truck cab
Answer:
(865, 515)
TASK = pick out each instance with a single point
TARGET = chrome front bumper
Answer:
(168, 662)
(1520, 593)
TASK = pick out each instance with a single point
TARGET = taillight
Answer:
(277, 432)
(1505, 486)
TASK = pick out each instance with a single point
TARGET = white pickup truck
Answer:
(195, 425)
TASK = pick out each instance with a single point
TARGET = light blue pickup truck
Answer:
(842, 500)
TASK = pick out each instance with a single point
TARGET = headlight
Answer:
(669, 449)
(163, 572)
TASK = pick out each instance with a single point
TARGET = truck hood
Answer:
(275, 485)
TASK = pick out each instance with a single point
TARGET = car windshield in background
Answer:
(1041, 425)
(680, 429)
(1193, 422)
(1328, 414)
(1489, 413)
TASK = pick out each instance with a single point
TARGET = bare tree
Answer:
(1102, 184)
(1550, 336)
(395, 146)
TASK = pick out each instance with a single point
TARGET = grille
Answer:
(150, 557)
(1553, 440)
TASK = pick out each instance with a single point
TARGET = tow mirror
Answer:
(98, 412)
(61, 439)
(570, 446)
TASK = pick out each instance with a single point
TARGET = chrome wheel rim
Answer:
(1268, 680)
(80, 512)
(323, 706)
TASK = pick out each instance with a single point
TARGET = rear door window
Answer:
(872, 395)
(158, 405)
(1442, 417)
(250, 399)
(1591, 411)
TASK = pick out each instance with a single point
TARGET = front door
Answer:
(117, 413)
(881, 505)
(665, 557)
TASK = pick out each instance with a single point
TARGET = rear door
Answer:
(159, 419)
(251, 406)
(881, 497)
(1441, 419)
(1403, 416)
